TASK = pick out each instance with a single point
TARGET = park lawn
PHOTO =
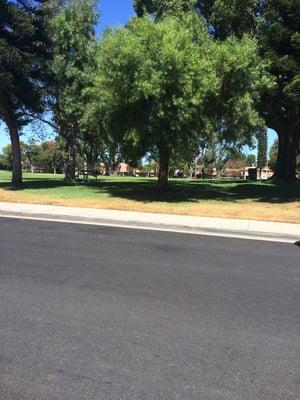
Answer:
(262, 200)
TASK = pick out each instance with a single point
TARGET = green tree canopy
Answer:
(162, 7)
(251, 159)
(280, 43)
(273, 155)
(262, 148)
(24, 49)
(224, 17)
(159, 86)
(73, 38)
(276, 24)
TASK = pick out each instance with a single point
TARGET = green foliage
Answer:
(47, 156)
(73, 37)
(6, 158)
(214, 152)
(273, 155)
(159, 86)
(152, 82)
(280, 42)
(279, 38)
(276, 24)
(251, 159)
(162, 7)
(24, 49)
(242, 78)
(230, 17)
(262, 148)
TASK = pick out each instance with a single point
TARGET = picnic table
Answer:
(85, 173)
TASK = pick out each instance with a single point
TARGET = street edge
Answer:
(225, 233)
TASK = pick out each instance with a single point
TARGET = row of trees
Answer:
(46, 157)
(50, 157)
(181, 76)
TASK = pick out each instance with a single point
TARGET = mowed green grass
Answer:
(262, 200)
(145, 190)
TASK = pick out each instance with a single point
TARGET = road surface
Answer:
(98, 313)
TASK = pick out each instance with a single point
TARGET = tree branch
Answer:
(40, 118)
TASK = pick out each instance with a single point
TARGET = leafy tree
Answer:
(224, 17)
(159, 85)
(280, 42)
(49, 157)
(273, 155)
(27, 151)
(262, 148)
(98, 142)
(24, 49)
(73, 36)
(6, 158)
(231, 17)
(150, 167)
(152, 89)
(160, 8)
(214, 152)
(276, 23)
(251, 159)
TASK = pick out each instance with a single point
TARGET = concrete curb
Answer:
(237, 228)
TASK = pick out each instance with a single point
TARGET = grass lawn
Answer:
(263, 200)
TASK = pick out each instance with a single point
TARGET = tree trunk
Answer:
(288, 142)
(107, 169)
(163, 172)
(70, 166)
(16, 155)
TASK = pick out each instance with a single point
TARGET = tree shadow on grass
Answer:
(193, 191)
(145, 190)
(38, 183)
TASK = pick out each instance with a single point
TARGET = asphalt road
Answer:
(98, 313)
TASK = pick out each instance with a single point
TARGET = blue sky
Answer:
(112, 13)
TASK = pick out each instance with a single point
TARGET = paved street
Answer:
(102, 313)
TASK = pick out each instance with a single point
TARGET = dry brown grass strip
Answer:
(281, 212)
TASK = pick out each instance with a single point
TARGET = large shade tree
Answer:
(280, 43)
(73, 37)
(24, 49)
(276, 24)
(161, 85)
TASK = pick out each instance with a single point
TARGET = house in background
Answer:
(124, 169)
